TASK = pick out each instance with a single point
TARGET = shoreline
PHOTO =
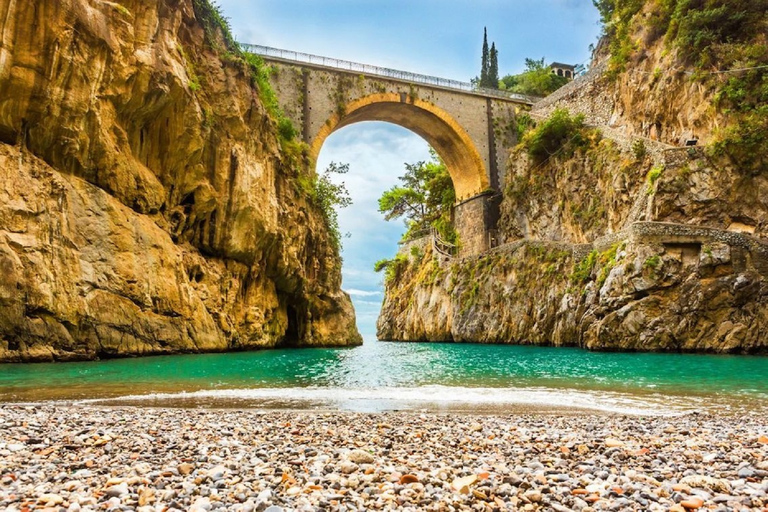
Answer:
(150, 459)
(419, 399)
(65, 358)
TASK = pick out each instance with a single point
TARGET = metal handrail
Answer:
(306, 58)
(441, 246)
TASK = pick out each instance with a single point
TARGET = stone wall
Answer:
(474, 221)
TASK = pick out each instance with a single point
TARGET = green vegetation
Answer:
(638, 149)
(194, 80)
(653, 175)
(436, 272)
(561, 134)
(217, 29)
(493, 68)
(393, 268)
(604, 261)
(536, 80)
(425, 199)
(339, 95)
(524, 122)
(652, 263)
(589, 213)
(582, 272)
(381, 264)
(607, 260)
(215, 25)
(724, 46)
(744, 141)
(489, 67)
(413, 93)
(469, 296)
(616, 16)
(327, 196)
(260, 74)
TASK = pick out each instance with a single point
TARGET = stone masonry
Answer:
(471, 131)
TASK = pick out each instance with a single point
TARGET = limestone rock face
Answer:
(624, 239)
(146, 205)
(659, 288)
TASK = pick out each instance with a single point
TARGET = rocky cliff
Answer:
(655, 286)
(148, 204)
(613, 236)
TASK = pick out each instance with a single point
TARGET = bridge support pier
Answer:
(475, 221)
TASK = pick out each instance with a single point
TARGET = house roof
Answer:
(561, 65)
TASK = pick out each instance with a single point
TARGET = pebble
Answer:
(90, 459)
(360, 457)
(706, 482)
(461, 485)
(692, 503)
(117, 490)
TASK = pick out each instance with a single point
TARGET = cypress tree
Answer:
(485, 60)
(493, 68)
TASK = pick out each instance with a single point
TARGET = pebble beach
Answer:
(67, 458)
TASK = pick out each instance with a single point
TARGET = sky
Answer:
(432, 37)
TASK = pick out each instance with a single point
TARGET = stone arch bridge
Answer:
(471, 129)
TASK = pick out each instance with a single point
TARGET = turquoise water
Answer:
(386, 376)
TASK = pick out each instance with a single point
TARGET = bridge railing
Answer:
(367, 69)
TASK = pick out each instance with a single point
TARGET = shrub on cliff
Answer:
(328, 195)
(558, 135)
(392, 268)
(536, 80)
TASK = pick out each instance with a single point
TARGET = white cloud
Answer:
(376, 304)
(363, 293)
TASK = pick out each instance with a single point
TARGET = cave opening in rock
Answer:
(292, 332)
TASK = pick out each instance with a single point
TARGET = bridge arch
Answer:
(436, 126)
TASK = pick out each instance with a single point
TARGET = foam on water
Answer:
(412, 376)
(431, 397)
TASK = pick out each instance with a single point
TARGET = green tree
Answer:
(485, 64)
(606, 8)
(536, 80)
(425, 198)
(329, 196)
(493, 68)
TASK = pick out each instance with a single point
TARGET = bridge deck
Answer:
(366, 69)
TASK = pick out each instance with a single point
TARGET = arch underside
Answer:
(441, 131)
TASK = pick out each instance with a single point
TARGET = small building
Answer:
(561, 69)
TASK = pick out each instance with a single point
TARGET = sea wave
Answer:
(422, 397)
